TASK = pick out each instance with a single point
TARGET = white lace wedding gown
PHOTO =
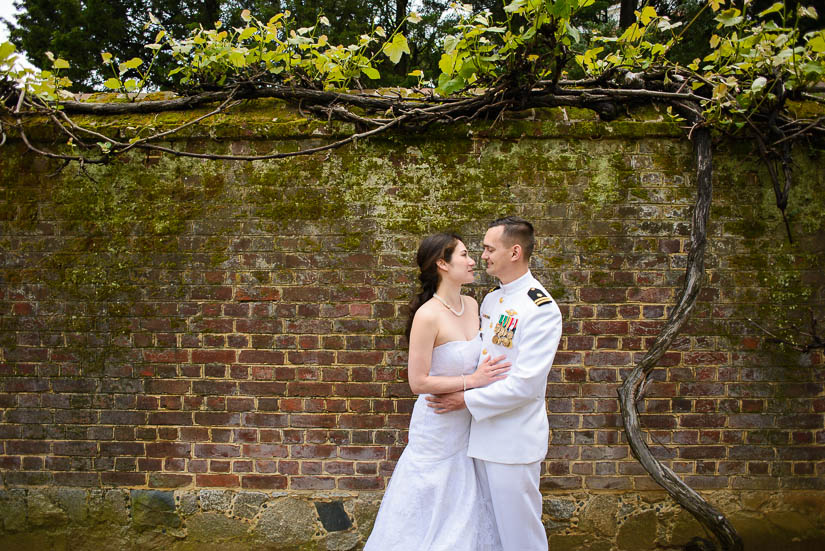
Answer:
(433, 501)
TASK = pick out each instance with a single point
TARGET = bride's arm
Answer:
(423, 334)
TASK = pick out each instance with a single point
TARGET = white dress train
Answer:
(434, 501)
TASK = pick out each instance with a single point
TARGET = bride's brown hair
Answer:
(432, 249)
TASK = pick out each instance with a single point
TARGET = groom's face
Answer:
(496, 253)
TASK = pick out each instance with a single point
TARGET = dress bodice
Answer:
(455, 357)
(434, 436)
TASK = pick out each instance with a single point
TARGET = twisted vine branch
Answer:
(604, 98)
(632, 389)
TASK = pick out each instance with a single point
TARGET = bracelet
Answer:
(463, 382)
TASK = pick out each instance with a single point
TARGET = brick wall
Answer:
(170, 323)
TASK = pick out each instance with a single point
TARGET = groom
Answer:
(509, 430)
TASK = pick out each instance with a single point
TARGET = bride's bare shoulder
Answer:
(426, 318)
(428, 311)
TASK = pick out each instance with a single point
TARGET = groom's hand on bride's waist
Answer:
(445, 403)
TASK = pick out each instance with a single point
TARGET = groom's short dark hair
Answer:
(517, 230)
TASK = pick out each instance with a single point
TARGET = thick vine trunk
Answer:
(632, 389)
(627, 15)
(401, 7)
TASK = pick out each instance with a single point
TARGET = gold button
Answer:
(501, 299)
(491, 324)
(484, 351)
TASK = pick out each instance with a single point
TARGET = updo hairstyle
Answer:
(432, 249)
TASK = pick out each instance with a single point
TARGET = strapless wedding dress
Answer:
(433, 501)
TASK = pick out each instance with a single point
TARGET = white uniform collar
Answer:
(517, 284)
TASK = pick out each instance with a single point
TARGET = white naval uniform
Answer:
(509, 432)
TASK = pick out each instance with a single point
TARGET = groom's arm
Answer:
(445, 403)
(528, 376)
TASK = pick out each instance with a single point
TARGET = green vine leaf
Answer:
(371, 73)
(398, 47)
(6, 50)
(758, 84)
(817, 43)
(133, 63)
(729, 17)
(776, 7)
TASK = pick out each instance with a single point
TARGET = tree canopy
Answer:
(82, 30)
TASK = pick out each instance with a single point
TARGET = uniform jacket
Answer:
(509, 424)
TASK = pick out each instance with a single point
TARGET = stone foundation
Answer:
(100, 520)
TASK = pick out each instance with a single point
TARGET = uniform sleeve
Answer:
(527, 378)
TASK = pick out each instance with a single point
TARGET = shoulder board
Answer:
(538, 296)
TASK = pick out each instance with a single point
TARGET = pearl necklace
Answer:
(450, 308)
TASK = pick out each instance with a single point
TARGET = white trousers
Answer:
(514, 492)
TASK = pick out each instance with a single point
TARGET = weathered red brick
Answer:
(217, 480)
(169, 480)
(362, 453)
(166, 356)
(167, 386)
(702, 389)
(167, 449)
(307, 420)
(213, 356)
(271, 357)
(219, 388)
(10, 463)
(309, 389)
(264, 482)
(265, 420)
(21, 447)
(801, 420)
(264, 450)
(26, 384)
(360, 483)
(360, 357)
(607, 358)
(29, 416)
(702, 421)
(705, 358)
(88, 480)
(217, 450)
(122, 479)
(605, 327)
(313, 451)
(169, 418)
(311, 483)
(602, 294)
(261, 388)
(75, 448)
(122, 448)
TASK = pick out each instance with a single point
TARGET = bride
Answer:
(434, 501)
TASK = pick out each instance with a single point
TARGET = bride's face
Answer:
(461, 266)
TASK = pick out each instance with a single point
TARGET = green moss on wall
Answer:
(431, 189)
(778, 277)
(605, 183)
(593, 244)
(119, 225)
(109, 226)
